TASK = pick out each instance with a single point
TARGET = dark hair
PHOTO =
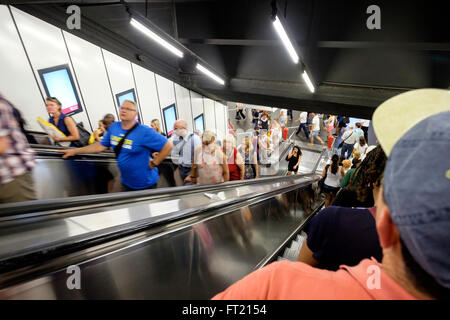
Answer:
(358, 125)
(362, 141)
(298, 148)
(355, 162)
(108, 120)
(421, 279)
(335, 163)
(368, 174)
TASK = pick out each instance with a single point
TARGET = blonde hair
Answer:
(55, 100)
(248, 147)
(208, 137)
(157, 124)
(356, 154)
(346, 164)
(230, 138)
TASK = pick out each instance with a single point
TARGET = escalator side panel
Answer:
(194, 262)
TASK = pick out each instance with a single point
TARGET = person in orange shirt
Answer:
(412, 217)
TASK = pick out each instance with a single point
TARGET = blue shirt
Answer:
(136, 152)
(339, 235)
(62, 126)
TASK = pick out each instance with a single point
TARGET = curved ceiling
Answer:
(354, 68)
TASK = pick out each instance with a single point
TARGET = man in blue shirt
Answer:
(137, 173)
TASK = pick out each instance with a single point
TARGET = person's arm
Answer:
(92, 148)
(289, 156)
(73, 130)
(298, 162)
(256, 166)
(306, 255)
(97, 135)
(193, 175)
(240, 164)
(161, 155)
(225, 171)
(4, 144)
(324, 172)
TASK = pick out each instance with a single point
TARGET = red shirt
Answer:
(233, 168)
(298, 281)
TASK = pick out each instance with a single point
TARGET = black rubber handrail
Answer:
(34, 206)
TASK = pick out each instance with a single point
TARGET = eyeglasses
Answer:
(128, 109)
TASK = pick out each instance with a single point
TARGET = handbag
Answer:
(342, 142)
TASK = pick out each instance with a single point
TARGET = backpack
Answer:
(84, 136)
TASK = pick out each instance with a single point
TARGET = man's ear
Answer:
(387, 231)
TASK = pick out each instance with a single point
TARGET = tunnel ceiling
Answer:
(354, 68)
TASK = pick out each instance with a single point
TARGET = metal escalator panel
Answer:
(192, 259)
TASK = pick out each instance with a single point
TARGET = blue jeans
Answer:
(184, 172)
(347, 147)
(305, 130)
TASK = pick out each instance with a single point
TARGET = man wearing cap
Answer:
(412, 217)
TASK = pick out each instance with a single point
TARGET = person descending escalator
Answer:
(133, 144)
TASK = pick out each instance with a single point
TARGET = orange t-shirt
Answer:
(298, 281)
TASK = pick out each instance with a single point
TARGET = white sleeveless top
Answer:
(333, 179)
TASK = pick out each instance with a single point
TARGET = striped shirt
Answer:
(18, 158)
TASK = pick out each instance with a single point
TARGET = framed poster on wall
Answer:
(199, 123)
(170, 116)
(58, 83)
(127, 95)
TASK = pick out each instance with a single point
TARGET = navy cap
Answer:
(417, 192)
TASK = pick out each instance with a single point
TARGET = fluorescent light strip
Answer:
(210, 74)
(308, 81)
(156, 38)
(285, 39)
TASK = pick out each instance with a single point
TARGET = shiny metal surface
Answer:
(46, 231)
(189, 260)
(86, 174)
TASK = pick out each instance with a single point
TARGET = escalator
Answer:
(169, 243)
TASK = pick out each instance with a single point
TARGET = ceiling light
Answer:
(308, 81)
(155, 37)
(210, 74)
(285, 39)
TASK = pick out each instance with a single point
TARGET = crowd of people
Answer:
(386, 206)
(384, 231)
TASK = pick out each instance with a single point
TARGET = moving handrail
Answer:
(41, 206)
(17, 253)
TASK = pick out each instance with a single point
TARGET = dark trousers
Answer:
(347, 147)
(184, 172)
(305, 130)
(365, 130)
(289, 113)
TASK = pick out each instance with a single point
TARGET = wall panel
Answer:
(17, 83)
(120, 75)
(184, 105)
(210, 117)
(148, 96)
(46, 48)
(92, 77)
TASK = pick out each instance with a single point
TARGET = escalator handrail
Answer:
(12, 209)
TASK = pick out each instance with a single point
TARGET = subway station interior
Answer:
(262, 83)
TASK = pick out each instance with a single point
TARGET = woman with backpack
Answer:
(64, 123)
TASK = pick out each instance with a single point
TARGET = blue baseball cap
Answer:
(417, 174)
